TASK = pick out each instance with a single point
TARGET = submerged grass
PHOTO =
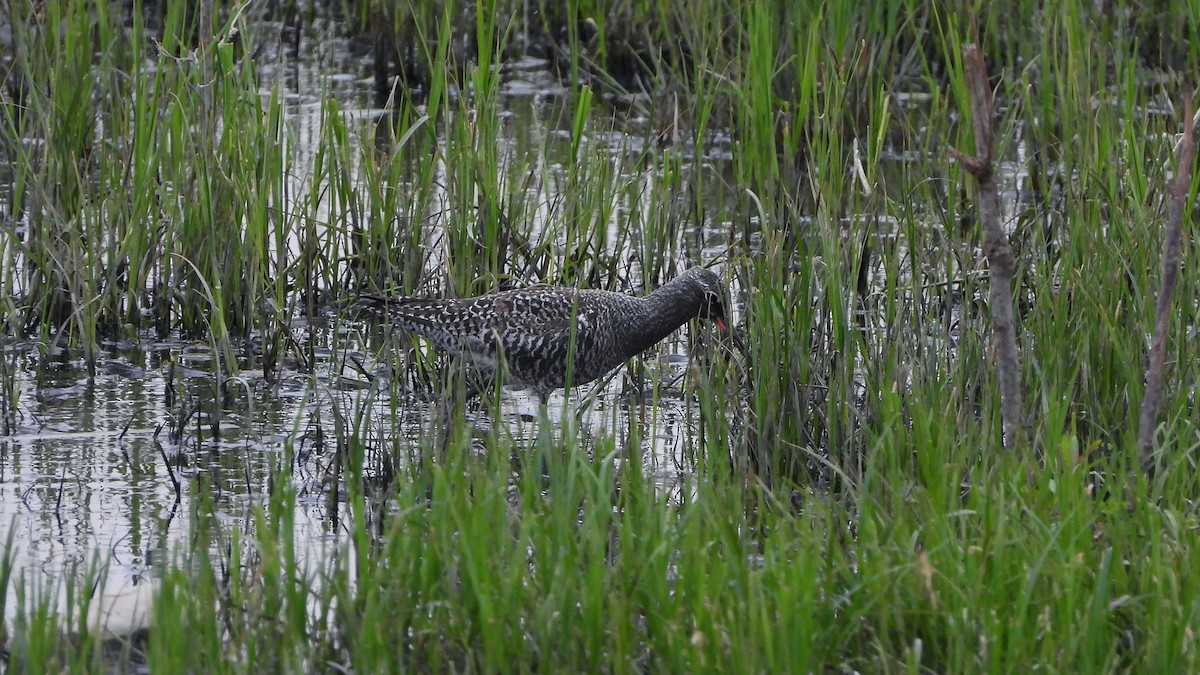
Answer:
(849, 504)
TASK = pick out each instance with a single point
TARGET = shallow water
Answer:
(88, 476)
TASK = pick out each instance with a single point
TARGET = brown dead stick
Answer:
(996, 248)
(1172, 254)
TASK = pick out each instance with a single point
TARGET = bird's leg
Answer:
(594, 394)
(451, 406)
(443, 426)
(542, 445)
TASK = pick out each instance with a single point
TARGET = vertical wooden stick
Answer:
(1171, 259)
(996, 248)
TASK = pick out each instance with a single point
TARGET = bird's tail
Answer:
(371, 304)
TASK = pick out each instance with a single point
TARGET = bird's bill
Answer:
(720, 321)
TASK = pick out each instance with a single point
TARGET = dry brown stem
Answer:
(996, 248)
(1171, 259)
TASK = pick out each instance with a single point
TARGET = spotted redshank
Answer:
(547, 337)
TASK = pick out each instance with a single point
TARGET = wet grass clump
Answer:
(846, 501)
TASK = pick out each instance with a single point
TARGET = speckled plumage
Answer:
(529, 330)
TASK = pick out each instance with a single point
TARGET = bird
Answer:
(551, 337)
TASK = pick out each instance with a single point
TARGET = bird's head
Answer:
(713, 296)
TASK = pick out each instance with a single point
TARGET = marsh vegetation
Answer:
(192, 197)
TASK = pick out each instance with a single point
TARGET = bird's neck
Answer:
(661, 313)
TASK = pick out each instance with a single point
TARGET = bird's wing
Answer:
(540, 333)
(452, 325)
(510, 319)
(543, 313)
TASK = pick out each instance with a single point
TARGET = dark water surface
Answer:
(86, 477)
(86, 480)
